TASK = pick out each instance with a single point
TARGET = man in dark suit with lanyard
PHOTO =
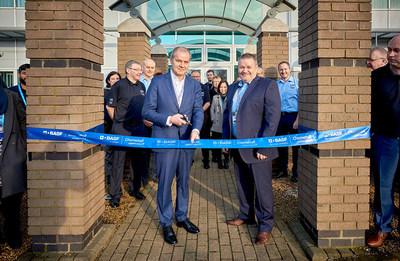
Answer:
(21, 87)
(253, 111)
(174, 105)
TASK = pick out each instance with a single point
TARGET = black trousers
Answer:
(285, 127)
(216, 153)
(205, 134)
(11, 209)
(138, 164)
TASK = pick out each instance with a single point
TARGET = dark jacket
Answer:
(258, 116)
(385, 102)
(13, 158)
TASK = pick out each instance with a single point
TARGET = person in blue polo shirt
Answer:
(289, 92)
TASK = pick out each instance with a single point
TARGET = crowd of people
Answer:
(175, 105)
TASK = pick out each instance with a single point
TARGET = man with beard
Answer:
(385, 139)
(21, 87)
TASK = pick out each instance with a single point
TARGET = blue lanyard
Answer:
(2, 119)
(22, 95)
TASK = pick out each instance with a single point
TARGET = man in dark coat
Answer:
(13, 177)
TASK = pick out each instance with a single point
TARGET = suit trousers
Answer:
(385, 159)
(138, 165)
(254, 188)
(11, 209)
(285, 127)
(175, 162)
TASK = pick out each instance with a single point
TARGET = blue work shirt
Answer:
(236, 102)
(289, 92)
(145, 82)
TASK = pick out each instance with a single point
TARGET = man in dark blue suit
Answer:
(174, 104)
(253, 111)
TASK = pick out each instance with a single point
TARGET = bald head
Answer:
(148, 68)
(394, 54)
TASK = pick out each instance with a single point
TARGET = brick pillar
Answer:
(334, 40)
(133, 43)
(64, 40)
(160, 57)
(272, 46)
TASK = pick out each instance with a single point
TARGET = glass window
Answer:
(240, 38)
(395, 4)
(196, 54)
(7, 3)
(168, 38)
(379, 4)
(239, 52)
(219, 54)
(190, 37)
(8, 78)
(218, 37)
(235, 73)
(221, 73)
(20, 3)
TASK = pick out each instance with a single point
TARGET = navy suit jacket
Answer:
(258, 116)
(161, 102)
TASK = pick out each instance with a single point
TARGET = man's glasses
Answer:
(136, 69)
(373, 60)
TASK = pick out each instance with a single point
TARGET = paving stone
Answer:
(212, 200)
(345, 252)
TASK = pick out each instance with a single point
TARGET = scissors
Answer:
(187, 119)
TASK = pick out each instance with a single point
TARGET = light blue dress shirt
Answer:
(236, 102)
(145, 82)
(289, 92)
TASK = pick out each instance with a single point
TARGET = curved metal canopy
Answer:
(161, 16)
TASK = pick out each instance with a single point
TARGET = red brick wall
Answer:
(64, 40)
(132, 46)
(272, 48)
(334, 41)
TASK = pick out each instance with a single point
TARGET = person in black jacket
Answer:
(125, 108)
(385, 139)
(111, 78)
(13, 169)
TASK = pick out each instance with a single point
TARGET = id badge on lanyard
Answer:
(1, 127)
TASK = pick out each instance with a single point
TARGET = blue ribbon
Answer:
(307, 138)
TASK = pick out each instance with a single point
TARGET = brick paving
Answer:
(213, 200)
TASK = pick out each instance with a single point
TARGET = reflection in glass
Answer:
(218, 54)
(194, 37)
(196, 54)
(240, 38)
(395, 4)
(218, 37)
(239, 52)
(380, 4)
(7, 3)
(20, 3)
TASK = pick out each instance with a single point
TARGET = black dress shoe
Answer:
(114, 203)
(281, 174)
(226, 165)
(220, 166)
(294, 179)
(137, 194)
(188, 226)
(206, 165)
(169, 235)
